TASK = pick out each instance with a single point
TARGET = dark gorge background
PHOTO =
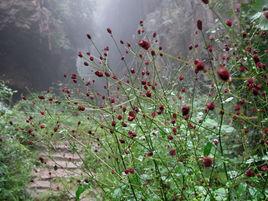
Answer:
(40, 39)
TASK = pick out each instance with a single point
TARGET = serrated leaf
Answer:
(207, 148)
(263, 24)
(228, 129)
(265, 158)
(256, 16)
(211, 123)
(242, 188)
(117, 193)
(220, 194)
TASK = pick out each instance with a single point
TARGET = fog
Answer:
(40, 40)
(123, 17)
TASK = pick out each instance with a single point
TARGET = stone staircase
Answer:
(60, 171)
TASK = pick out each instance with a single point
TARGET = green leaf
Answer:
(81, 189)
(242, 189)
(227, 129)
(207, 148)
(220, 194)
(117, 193)
(211, 123)
(263, 24)
(261, 21)
(256, 16)
(258, 4)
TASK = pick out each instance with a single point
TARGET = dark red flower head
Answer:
(89, 36)
(131, 115)
(249, 173)
(99, 73)
(210, 48)
(264, 168)
(149, 154)
(41, 97)
(80, 54)
(185, 110)
(256, 58)
(42, 126)
(265, 13)
(215, 141)
(229, 22)
(199, 65)
(119, 117)
(211, 106)
(199, 25)
(109, 30)
(172, 152)
(130, 171)
(223, 73)
(181, 77)
(132, 134)
(205, 1)
(132, 70)
(242, 69)
(81, 108)
(144, 44)
(170, 137)
(148, 93)
(207, 161)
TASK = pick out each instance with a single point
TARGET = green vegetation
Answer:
(200, 134)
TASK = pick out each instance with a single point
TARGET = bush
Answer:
(162, 138)
(15, 159)
(15, 168)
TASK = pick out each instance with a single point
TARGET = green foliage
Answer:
(15, 168)
(208, 148)
(148, 137)
(6, 93)
(254, 12)
(16, 160)
(257, 5)
(80, 190)
(206, 157)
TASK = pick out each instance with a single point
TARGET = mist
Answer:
(122, 17)
(40, 40)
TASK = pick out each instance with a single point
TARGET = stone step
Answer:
(63, 164)
(63, 147)
(46, 174)
(58, 164)
(37, 192)
(61, 156)
(43, 184)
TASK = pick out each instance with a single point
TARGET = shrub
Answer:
(15, 159)
(15, 168)
(161, 138)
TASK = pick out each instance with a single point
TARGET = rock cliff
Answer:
(39, 40)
